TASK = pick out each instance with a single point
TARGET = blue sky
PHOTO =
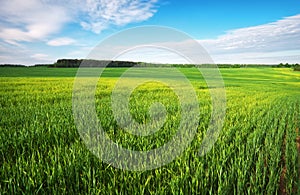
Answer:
(232, 31)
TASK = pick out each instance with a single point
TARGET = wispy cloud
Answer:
(269, 43)
(101, 14)
(21, 55)
(62, 41)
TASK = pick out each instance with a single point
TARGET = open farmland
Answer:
(256, 151)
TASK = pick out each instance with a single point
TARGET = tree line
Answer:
(75, 63)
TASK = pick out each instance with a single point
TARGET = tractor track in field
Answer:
(298, 148)
(282, 182)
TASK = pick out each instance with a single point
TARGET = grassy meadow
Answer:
(256, 151)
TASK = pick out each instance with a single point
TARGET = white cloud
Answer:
(35, 20)
(101, 14)
(62, 41)
(269, 43)
(40, 20)
(43, 20)
(30, 20)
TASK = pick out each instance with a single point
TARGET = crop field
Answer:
(257, 150)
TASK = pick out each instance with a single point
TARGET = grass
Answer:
(42, 152)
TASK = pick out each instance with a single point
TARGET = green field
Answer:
(256, 152)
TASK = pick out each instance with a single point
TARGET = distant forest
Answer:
(75, 63)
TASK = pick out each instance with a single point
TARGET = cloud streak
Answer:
(269, 43)
(63, 41)
(40, 56)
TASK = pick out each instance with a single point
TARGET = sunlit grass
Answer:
(42, 152)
